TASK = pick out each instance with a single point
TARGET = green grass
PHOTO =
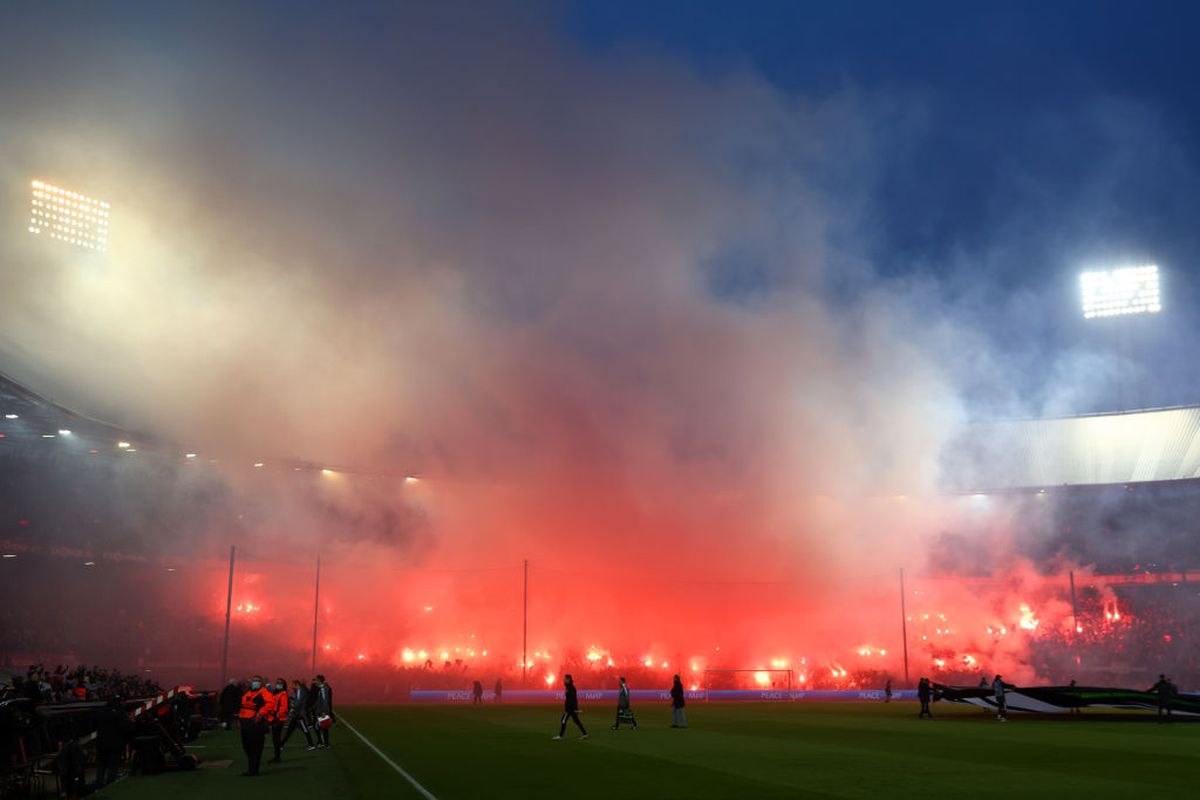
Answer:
(729, 751)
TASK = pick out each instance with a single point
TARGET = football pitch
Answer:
(779, 750)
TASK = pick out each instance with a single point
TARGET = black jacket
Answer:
(323, 702)
(112, 727)
(677, 696)
(231, 698)
(572, 701)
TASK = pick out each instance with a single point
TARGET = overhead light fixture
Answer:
(69, 217)
(64, 432)
(123, 445)
(1118, 292)
(10, 416)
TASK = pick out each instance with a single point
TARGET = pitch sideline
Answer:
(424, 792)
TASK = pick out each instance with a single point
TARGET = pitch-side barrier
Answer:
(664, 696)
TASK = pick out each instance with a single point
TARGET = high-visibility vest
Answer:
(279, 709)
(256, 703)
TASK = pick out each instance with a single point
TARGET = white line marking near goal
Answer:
(424, 792)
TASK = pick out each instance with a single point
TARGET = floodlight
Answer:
(1114, 292)
(68, 216)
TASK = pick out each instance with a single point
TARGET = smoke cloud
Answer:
(614, 316)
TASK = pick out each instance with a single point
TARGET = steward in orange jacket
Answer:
(253, 718)
(277, 716)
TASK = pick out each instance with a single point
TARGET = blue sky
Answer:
(1051, 137)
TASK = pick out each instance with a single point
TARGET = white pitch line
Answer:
(424, 792)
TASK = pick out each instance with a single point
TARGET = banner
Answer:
(664, 696)
(1063, 699)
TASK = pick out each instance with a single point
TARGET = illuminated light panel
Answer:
(10, 416)
(1115, 292)
(68, 216)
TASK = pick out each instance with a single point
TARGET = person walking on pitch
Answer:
(678, 715)
(924, 691)
(624, 709)
(570, 709)
(297, 713)
(323, 711)
(1164, 690)
(1001, 704)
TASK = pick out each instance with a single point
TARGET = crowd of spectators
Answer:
(66, 684)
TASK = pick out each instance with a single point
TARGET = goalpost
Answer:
(763, 679)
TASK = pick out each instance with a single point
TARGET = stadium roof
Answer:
(27, 420)
(1153, 445)
(31, 424)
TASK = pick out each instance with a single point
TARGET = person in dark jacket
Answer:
(298, 712)
(476, 693)
(1164, 690)
(323, 706)
(499, 696)
(624, 707)
(112, 727)
(570, 709)
(924, 692)
(678, 715)
(230, 700)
